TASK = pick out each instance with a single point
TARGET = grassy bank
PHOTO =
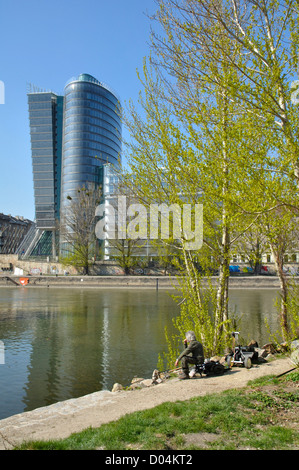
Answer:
(264, 415)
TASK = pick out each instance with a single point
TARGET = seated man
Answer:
(193, 354)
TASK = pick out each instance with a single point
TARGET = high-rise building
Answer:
(72, 137)
(91, 133)
(45, 115)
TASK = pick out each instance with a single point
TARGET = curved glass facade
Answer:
(72, 138)
(91, 133)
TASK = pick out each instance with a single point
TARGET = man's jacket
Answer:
(195, 349)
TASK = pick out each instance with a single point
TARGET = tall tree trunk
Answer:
(278, 259)
(223, 281)
(222, 289)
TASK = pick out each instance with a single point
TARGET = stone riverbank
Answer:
(152, 282)
(64, 418)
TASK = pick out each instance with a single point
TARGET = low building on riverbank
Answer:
(12, 232)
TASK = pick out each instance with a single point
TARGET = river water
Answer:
(63, 343)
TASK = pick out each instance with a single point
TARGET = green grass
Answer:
(263, 415)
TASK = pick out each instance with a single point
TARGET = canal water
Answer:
(63, 343)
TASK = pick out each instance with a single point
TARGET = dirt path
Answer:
(62, 419)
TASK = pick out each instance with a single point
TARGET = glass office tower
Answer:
(72, 137)
(91, 134)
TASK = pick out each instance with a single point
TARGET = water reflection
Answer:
(253, 306)
(64, 343)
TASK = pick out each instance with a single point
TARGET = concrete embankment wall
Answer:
(11, 262)
(152, 282)
(105, 274)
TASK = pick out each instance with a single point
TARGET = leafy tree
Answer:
(77, 227)
(125, 250)
(192, 142)
(281, 231)
(252, 246)
(220, 114)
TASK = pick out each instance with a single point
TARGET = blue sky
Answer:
(46, 43)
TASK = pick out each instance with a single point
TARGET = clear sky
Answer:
(47, 42)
